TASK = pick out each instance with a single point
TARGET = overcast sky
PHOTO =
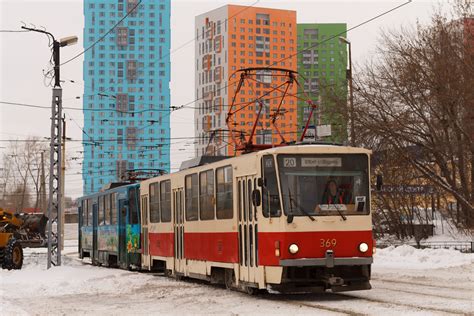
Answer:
(24, 55)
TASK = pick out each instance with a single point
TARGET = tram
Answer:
(109, 227)
(292, 219)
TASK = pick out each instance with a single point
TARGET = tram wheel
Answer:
(229, 279)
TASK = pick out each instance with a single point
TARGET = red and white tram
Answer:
(293, 218)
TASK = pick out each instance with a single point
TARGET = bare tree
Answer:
(22, 167)
(406, 207)
(415, 101)
(420, 94)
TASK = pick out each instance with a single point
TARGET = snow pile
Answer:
(7, 308)
(408, 257)
(72, 277)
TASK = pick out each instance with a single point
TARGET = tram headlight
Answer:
(363, 247)
(293, 249)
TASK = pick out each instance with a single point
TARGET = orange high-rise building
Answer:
(231, 38)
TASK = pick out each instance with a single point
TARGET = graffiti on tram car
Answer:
(108, 238)
(133, 238)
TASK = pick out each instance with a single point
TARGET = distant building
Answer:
(322, 64)
(230, 38)
(126, 98)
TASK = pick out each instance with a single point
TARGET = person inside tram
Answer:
(332, 194)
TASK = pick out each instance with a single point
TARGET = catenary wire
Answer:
(103, 36)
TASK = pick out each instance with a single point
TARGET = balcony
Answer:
(208, 95)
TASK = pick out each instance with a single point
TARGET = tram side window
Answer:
(270, 195)
(89, 213)
(133, 209)
(154, 203)
(144, 208)
(206, 195)
(165, 201)
(100, 210)
(84, 212)
(107, 209)
(224, 193)
(191, 196)
(113, 208)
(239, 197)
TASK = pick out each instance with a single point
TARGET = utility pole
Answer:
(54, 208)
(351, 88)
(43, 185)
(55, 161)
(63, 175)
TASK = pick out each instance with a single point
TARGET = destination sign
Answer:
(321, 162)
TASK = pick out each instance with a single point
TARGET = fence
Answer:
(463, 246)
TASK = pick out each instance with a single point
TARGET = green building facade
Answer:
(322, 66)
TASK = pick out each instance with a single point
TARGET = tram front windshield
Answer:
(318, 185)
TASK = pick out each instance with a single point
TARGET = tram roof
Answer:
(323, 148)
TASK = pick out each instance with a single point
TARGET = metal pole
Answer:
(63, 175)
(351, 98)
(55, 194)
(56, 187)
(43, 185)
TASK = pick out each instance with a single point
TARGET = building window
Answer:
(122, 102)
(122, 36)
(131, 69)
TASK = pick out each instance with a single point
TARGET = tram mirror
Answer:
(379, 182)
(256, 198)
(261, 182)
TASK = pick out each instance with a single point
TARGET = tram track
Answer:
(436, 286)
(325, 308)
(381, 304)
(421, 293)
(414, 306)
(375, 306)
(363, 303)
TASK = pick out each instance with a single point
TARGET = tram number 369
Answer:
(326, 243)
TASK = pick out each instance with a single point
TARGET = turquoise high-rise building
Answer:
(126, 101)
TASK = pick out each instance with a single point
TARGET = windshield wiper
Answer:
(299, 208)
(340, 213)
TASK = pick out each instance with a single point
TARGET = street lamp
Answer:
(56, 167)
(351, 96)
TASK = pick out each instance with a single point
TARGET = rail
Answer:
(463, 246)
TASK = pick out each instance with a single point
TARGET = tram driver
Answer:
(334, 194)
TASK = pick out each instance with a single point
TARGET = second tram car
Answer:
(109, 227)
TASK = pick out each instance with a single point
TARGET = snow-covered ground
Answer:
(405, 281)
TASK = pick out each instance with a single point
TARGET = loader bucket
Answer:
(34, 223)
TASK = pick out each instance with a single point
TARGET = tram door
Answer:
(144, 218)
(122, 220)
(95, 223)
(248, 230)
(179, 260)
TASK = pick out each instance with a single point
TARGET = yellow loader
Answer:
(16, 232)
